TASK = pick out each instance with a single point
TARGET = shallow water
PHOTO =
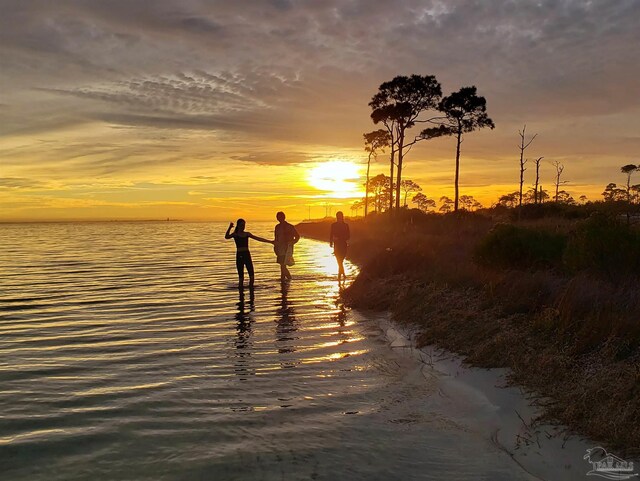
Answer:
(127, 352)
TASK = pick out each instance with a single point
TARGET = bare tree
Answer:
(523, 146)
(559, 169)
(537, 162)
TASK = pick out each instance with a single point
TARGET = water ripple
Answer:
(127, 352)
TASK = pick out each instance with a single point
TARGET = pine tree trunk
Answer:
(366, 189)
(393, 157)
(457, 189)
(400, 146)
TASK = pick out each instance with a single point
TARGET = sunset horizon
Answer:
(200, 112)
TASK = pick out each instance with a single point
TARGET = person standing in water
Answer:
(243, 256)
(339, 240)
(285, 237)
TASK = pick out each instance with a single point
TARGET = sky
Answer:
(213, 110)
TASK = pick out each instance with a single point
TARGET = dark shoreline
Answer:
(594, 391)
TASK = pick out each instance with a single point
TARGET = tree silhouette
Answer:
(447, 204)
(374, 142)
(563, 197)
(536, 197)
(408, 186)
(469, 203)
(423, 202)
(559, 169)
(523, 146)
(464, 111)
(537, 184)
(629, 169)
(612, 193)
(509, 200)
(398, 105)
(357, 205)
(380, 188)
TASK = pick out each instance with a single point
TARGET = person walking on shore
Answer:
(339, 240)
(285, 237)
(243, 256)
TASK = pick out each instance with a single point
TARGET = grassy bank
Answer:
(555, 299)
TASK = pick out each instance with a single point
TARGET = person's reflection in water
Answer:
(340, 318)
(243, 342)
(286, 328)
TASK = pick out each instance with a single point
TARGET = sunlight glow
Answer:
(338, 178)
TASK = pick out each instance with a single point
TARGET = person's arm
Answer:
(260, 239)
(348, 232)
(296, 236)
(229, 235)
(331, 236)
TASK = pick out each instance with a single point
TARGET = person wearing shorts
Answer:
(285, 237)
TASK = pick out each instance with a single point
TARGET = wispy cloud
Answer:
(130, 91)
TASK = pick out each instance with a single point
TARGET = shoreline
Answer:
(591, 393)
(504, 412)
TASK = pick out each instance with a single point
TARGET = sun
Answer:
(337, 178)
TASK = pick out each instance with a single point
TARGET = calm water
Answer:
(127, 352)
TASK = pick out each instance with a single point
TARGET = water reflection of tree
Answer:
(286, 328)
(242, 342)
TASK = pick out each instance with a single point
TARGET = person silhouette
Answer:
(243, 256)
(285, 237)
(339, 240)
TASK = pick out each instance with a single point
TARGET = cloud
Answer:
(20, 183)
(273, 158)
(123, 88)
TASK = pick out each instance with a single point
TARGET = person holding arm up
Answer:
(243, 256)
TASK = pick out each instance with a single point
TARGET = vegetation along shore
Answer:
(549, 291)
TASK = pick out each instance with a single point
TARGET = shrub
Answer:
(511, 246)
(550, 209)
(604, 245)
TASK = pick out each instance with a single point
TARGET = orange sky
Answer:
(211, 111)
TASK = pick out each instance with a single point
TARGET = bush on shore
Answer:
(514, 247)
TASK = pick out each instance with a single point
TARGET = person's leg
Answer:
(341, 267)
(340, 251)
(284, 272)
(240, 268)
(249, 264)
